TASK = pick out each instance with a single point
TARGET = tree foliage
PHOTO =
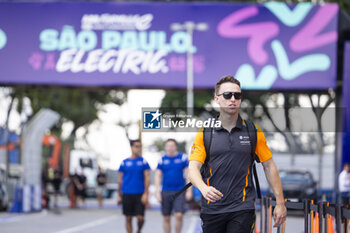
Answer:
(78, 105)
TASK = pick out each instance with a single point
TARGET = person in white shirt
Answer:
(344, 184)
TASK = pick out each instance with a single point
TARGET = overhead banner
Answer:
(270, 46)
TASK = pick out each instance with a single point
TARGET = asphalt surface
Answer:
(89, 218)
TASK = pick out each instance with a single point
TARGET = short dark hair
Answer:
(226, 79)
(170, 140)
(132, 142)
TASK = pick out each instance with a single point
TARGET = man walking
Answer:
(170, 172)
(344, 184)
(56, 182)
(133, 183)
(228, 195)
(101, 180)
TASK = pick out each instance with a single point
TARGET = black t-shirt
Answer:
(57, 180)
(101, 179)
(82, 179)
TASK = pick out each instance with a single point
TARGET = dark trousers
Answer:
(344, 196)
(235, 222)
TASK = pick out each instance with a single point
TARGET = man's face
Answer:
(136, 148)
(346, 167)
(229, 106)
(170, 147)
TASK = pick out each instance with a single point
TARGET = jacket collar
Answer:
(239, 123)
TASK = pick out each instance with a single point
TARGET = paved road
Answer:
(92, 220)
(107, 220)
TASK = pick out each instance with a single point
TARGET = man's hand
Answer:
(119, 199)
(159, 196)
(279, 214)
(189, 195)
(211, 194)
(144, 199)
(272, 176)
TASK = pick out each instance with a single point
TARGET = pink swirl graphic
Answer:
(309, 37)
(258, 33)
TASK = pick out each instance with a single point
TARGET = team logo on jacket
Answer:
(139, 163)
(244, 140)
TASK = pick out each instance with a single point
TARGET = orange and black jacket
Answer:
(230, 166)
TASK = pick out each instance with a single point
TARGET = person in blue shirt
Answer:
(170, 172)
(133, 183)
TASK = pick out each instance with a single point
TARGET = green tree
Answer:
(78, 105)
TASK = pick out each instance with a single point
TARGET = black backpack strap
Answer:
(253, 138)
(178, 193)
(252, 133)
(207, 144)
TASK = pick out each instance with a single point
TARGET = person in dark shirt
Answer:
(228, 203)
(56, 182)
(79, 184)
(44, 182)
(101, 181)
(82, 187)
(75, 183)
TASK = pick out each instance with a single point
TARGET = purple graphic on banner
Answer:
(271, 46)
(36, 60)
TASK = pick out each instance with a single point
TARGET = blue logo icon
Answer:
(152, 119)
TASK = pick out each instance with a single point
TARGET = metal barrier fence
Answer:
(323, 212)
